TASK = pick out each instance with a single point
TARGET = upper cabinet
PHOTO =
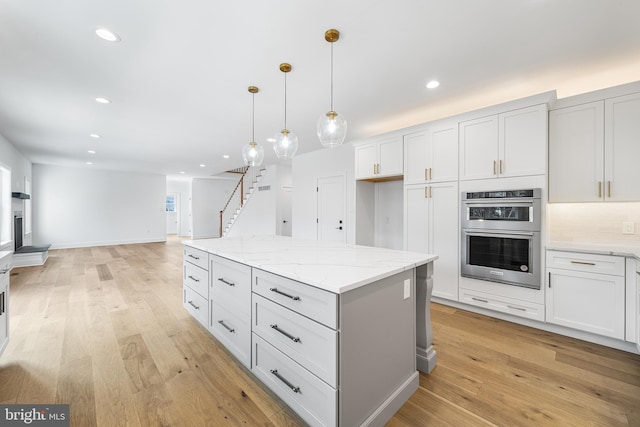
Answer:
(508, 144)
(380, 161)
(593, 151)
(432, 155)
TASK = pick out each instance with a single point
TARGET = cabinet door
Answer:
(576, 148)
(390, 157)
(444, 223)
(443, 156)
(586, 301)
(4, 312)
(522, 139)
(479, 148)
(622, 148)
(416, 208)
(366, 159)
(415, 158)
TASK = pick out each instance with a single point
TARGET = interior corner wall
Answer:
(306, 169)
(208, 197)
(78, 207)
(258, 217)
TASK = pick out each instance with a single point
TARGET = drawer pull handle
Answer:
(286, 334)
(478, 299)
(193, 305)
(284, 380)
(3, 271)
(583, 263)
(193, 278)
(194, 257)
(225, 282)
(284, 294)
(516, 308)
(226, 327)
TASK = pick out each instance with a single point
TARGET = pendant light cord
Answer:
(253, 117)
(331, 77)
(285, 100)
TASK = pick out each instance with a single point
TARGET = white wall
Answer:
(306, 169)
(389, 217)
(259, 215)
(208, 197)
(183, 188)
(20, 168)
(76, 207)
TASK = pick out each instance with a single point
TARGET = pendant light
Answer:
(285, 142)
(332, 127)
(253, 153)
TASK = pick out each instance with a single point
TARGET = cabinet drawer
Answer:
(592, 263)
(517, 308)
(309, 343)
(196, 305)
(231, 284)
(319, 305)
(310, 397)
(197, 257)
(196, 278)
(233, 330)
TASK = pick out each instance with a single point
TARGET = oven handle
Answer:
(495, 233)
(505, 204)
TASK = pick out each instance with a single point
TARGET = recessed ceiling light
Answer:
(271, 140)
(89, 163)
(91, 151)
(433, 84)
(225, 156)
(103, 100)
(94, 135)
(202, 166)
(182, 172)
(108, 35)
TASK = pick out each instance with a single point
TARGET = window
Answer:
(171, 204)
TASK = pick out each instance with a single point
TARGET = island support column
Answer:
(425, 353)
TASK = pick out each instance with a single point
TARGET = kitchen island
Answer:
(337, 331)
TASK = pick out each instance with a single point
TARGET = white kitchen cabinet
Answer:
(380, 160)
(5, 268)
(432, 155)
(593, 151)
(586, 292)
(431, 226)
(195, 284)
(508, 144)
(638, 305)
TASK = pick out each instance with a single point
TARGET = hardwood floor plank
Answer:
(138, 363)
(103, 272)
(75, 388)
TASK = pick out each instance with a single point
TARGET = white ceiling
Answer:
(178, 79)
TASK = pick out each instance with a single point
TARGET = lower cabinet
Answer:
(586, 292)
(638, 305)
(195, 284)
(5, 267)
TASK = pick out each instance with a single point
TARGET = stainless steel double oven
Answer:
(501, 236)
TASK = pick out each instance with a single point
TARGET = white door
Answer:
(285, 213)
(172, 209)
(331, 212)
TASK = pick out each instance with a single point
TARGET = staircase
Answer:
(247, 184)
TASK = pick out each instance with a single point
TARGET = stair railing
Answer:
(238, 196)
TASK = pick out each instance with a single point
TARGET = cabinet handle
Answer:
(284, 294)
(193, 305)
(220, 279)
(286, 334)
(193, 278)
(194, 257)
(549, 280)
(374, 169)
(599, 188)
(426, 192)
(583, 262)
(479, 299)
(608, 188)
(4, 271)
(426, 174)
(226, 327)
(429, 191)
(284, 380)
(430, 173)
(501, 167)
(1, 304)
(495, 167)
(516, 308)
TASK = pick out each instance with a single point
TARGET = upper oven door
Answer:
(514, 214)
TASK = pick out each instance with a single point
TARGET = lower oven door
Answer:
(506, 257)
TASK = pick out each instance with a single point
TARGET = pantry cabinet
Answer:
(593, 150)
(508, 144)
(431, 226)
(586, 292)
(380, 160)
(432, 155)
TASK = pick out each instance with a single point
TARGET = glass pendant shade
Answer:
(285, 144)
(253, 154)
(332, 129)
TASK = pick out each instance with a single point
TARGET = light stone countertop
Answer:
(631, 251)
(334, 267)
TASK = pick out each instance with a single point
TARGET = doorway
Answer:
(173, 213)
(330, 221)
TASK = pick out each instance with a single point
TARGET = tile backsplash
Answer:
(593, 222)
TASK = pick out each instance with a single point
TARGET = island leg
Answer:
(426, 357)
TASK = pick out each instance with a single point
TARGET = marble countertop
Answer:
(335, 267)
(597, 248)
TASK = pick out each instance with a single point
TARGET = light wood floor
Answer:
(103, 329)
